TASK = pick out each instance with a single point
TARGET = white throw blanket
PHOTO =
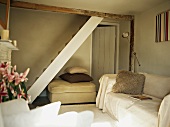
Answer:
(164, 112)
(106, 83)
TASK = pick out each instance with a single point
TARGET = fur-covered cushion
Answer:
(129, 83)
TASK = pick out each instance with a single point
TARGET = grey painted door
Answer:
(103, 52)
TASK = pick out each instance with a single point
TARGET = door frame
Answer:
(116, 47)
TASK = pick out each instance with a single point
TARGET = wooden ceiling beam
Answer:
(6, 24)
(7, 14)
(42, 7)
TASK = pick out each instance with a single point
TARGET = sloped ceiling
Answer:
(107, 6)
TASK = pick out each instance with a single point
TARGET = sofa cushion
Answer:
(61, 86)
(49, 113)
(129, 83)
(155, 85)
(131, 112)
(1, 118)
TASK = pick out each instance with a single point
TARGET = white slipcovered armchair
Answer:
(16, 113)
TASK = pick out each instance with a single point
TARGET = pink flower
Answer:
(19, 96)
(10, 77)
(3, 71)
(12, 90)
(14, 69)
(26, 72)
(15, 94)
(16, 75)
(3, 90)
(24, 75)
(17, 81)
(3, 67)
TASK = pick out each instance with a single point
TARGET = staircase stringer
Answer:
(63, 57)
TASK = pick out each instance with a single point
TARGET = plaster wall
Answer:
(124, 46)
(41, 35)
(154, 57)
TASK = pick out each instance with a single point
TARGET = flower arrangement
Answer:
(12, 84)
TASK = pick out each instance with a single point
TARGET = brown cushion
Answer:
(77, 77)
(129, 83)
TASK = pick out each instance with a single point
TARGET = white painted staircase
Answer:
(63, 57)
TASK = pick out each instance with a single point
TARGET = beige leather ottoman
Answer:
(60, 90)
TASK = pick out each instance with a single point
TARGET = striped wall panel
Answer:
(163, 27)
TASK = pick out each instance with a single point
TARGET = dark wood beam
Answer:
(26, 5)
(2, 24)
(131, 44)
(7, 14)
(7, 3)
(3, 1)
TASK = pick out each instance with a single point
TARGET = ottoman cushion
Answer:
(60, 90)
(61, 86)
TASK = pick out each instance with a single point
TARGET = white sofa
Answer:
(16, 113)
(131, 112)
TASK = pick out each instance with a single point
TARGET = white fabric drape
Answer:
(106, 83)
(164, 112)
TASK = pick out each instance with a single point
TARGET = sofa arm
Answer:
(67, 119)
(111, 81)
(14, 106)
(72, 119)
(164, 112)
(106, 83)
(85, 119)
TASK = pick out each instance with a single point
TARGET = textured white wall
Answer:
(154, 57)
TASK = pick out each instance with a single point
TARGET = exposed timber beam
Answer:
(131, 44)
(2, 24)
(7, 14)
(27, 5)
(6, 24)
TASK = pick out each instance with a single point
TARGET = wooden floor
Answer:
(40, 101)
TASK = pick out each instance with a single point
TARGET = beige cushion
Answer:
(73, 70)
(129, 83)
(66, 98)
(157, 86)
(61, 86)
